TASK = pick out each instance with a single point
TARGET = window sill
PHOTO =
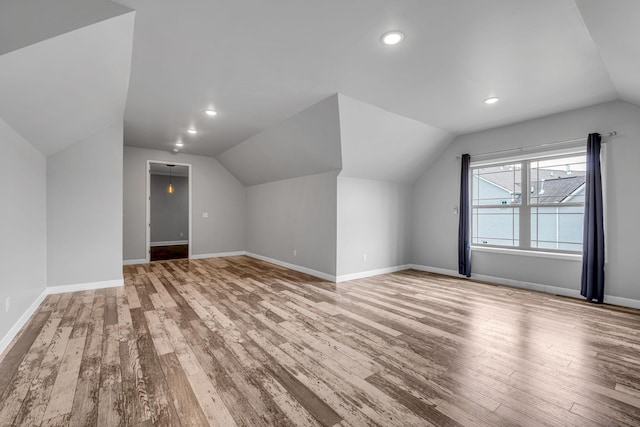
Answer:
(522, 252)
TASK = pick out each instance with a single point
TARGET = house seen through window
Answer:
(535, 204)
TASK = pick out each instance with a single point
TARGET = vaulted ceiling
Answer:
(63, 76)
(262, 65)
(259, 63)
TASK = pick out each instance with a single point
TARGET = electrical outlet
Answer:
(295, 252)
(364, 257)
(205, 214)
(181, 234)
(7, 304)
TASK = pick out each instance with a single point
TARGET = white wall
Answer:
(295, 214)
(215, 191)
(436, 192)
(373, 219)
(169, 212)
(84, 211)
(23, 226)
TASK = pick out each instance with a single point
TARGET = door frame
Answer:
(148, 203)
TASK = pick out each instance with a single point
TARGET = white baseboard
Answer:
(377, 272)
(50, 290)
(556, 290)
(134, 261)
(11, 333)
(299, 268)
(169, 243)
(198, 256)
(218, 255)
(624, 302)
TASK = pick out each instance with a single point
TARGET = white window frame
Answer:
(525, 207)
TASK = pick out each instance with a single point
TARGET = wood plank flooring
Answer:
(236, 341)
(162, 253)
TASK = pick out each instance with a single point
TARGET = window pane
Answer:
(557, 227)
(496, 226)
(558, 180)
(497, 185)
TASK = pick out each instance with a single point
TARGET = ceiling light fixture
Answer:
(491, 100)
(179, 144)
(175, 150)
(392, 37)
(192, 131)
(210, 112)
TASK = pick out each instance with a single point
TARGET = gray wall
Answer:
(169, 212)
(84, 210)
(215, 191)
(23, 225)
(297, 213)
(306, 144)
(436, 192)
(381, 145)
(373, 219)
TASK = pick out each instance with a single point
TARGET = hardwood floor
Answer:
(162, 253)
(236, 341)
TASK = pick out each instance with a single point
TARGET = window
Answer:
(546, 213)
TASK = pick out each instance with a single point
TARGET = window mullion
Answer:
(525, 209)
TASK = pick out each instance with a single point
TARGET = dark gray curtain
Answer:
(593, 235)
(464, 237)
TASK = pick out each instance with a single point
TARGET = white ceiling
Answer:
(25, 22)
(259, 63)
(615, 28)
(66, 88)
(263, 64)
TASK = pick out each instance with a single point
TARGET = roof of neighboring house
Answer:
(556, 190)
(556, 185)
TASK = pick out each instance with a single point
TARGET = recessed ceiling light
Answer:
(209, 112)
(192, 131)
(392, 37)
(491, 100)
(179, 144)
(175, 150)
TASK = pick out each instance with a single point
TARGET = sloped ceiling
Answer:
(305, 144)
(259, 63)
(380, 145)
(63, 89)
(26, 22)
(338, 133)
(615, 28)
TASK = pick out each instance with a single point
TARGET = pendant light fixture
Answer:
(170, 188)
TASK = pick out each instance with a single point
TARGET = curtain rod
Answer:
(526, 149)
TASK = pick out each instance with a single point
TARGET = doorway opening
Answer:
(168, 210)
